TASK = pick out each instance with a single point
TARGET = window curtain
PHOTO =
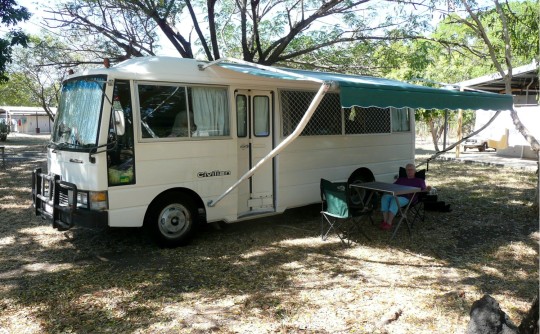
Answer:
(210, 111)
(400, 120)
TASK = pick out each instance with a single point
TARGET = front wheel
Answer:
(172, 219)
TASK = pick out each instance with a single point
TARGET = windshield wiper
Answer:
(77, 145)
(57, 146)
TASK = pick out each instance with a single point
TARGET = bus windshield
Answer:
(77, 120)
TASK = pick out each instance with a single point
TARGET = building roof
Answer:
(524, 81)
(21, 111)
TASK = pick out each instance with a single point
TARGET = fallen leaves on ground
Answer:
(273, 275)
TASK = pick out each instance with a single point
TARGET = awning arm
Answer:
(261, 67)
(299, 128)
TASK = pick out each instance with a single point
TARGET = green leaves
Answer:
(11, 14)
(18, 38)
(14, 92)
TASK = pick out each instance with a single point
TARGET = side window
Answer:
(164, 111)
(169, 111)
(261, 116)
(326, 119)
(120, 149)
(331, 119)
(360, 120)
(241, 115)
(401, 121)
(210, 111)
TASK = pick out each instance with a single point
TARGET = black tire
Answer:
(359, 196)
(172, 219)
(482, 148)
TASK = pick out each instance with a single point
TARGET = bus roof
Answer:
(354, 90)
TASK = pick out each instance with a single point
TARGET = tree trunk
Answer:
(536, 204)
(535, 146)
(529, 324)
(434, 136)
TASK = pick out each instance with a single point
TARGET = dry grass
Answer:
(272, 275)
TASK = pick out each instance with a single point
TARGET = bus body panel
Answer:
(308, 159)
(77, 168)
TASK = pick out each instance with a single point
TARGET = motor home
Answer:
(169, 143)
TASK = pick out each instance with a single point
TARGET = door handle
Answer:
(244, 146)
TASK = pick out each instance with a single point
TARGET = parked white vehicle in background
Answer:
(478, 142)
(169, 142)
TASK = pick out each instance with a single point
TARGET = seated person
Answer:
(389, 207)
(180, 126)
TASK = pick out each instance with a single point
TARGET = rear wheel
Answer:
(172, 219)
(359, 196)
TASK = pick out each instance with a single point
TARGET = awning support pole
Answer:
(299, 128)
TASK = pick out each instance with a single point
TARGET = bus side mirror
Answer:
(119, 122)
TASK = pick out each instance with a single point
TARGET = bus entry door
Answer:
(254, 130)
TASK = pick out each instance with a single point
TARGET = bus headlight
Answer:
(82, 199)
(98, 200)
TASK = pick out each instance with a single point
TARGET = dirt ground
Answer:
(271, 275)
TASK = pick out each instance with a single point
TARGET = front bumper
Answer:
(56, 201)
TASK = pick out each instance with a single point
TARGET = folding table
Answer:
(395, 190)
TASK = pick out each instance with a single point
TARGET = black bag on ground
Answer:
(431, 203)
(440, 206)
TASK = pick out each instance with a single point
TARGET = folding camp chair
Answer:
(417, 209)
(336, 215)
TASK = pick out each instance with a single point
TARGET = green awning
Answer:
(366, 91)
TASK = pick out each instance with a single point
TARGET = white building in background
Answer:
(526, 92)
(517, 144)
(27, 120)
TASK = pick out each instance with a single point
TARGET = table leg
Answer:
(403, 214)
(367, 213)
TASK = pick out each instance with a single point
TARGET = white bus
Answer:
(169, 143)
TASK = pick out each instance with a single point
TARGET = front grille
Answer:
(63, 199)
(51, 199)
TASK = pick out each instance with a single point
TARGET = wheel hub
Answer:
(172, 219)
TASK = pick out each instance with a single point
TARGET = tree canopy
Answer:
(468, 42)
(265, 32)
(11, 14)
